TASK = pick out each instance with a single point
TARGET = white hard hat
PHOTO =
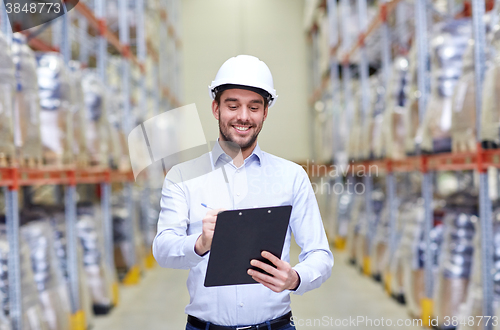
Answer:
(245, 71)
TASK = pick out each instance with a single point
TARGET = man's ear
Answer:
(215, 109)
(266, 109)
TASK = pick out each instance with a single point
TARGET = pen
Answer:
(205, 205)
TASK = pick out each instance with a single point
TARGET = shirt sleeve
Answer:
(172, 246)
(316, 259)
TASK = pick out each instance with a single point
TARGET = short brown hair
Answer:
(261, 92)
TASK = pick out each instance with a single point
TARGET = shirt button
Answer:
(241, 304)
(237, 194)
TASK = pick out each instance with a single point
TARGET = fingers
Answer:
(269, 281)
(216, 211)
(268, 268)
(272, 258)
(267, 284)
(212, 213)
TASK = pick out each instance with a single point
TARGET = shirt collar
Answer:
(217, 153)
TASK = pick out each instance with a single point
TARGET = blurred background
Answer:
(390, 107)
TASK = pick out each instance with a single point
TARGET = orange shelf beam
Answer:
(438, 162)
(61, 175)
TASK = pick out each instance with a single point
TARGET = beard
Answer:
(225, 132)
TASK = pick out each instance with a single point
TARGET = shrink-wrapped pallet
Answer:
(52, 289)
(447, 49)
(490, 114)
(56, 124)
(96, 116)
(393, 125)
(342, 214)
(463, 118)
(117, 138)
(57, 220)
(99, 275)
(124, 246)
(367, 224)
(355, 128)
(357, 212)
(413, 255)
(411, 116)
(456, 258)
(376, 121)
(33, 318)
(392, 267)
(380, 254)
(393, 274)
(153, 212)
(27, 106)
(473, 304)
(7, 93)
(78, 114)
(408, 202)
(366, 147)
(5, 322)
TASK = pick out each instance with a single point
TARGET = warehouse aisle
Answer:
(158, 302)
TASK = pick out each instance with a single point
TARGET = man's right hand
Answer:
(204, 242)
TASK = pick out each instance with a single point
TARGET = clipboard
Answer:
(242, 235)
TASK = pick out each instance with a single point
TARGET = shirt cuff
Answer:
(307, 275)
(189, 251)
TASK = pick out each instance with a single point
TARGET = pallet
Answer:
(6, 160)
(463, 143)
(29, 162)
(82, 161)
(53, 159)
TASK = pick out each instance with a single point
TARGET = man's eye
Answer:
(254, 109)
(232, 107)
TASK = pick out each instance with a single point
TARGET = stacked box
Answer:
(57, 220)
(411, 115)
(456, 258)
(97, 137)
(77, 113)
(52, 289)
(490, 116)
(56, 124)
(7, 93)
(27, 106)
(463, 119)
(100, 277)
(393, 124)
(413, 254)
(33, 317)
(447, 49)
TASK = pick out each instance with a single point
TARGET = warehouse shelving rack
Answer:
(479, 161)
(165, 96)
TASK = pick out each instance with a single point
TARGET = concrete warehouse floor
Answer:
(158, 302)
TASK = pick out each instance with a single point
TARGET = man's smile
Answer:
(242, 129)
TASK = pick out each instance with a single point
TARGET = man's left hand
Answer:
(284, 277)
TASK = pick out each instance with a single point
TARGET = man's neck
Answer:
(237, 154)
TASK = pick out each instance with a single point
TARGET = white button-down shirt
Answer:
(263, 180)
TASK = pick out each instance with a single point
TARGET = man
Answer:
(237, 174)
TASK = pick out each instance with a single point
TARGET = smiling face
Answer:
(241, 114)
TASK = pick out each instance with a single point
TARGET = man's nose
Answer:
(244, 114)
